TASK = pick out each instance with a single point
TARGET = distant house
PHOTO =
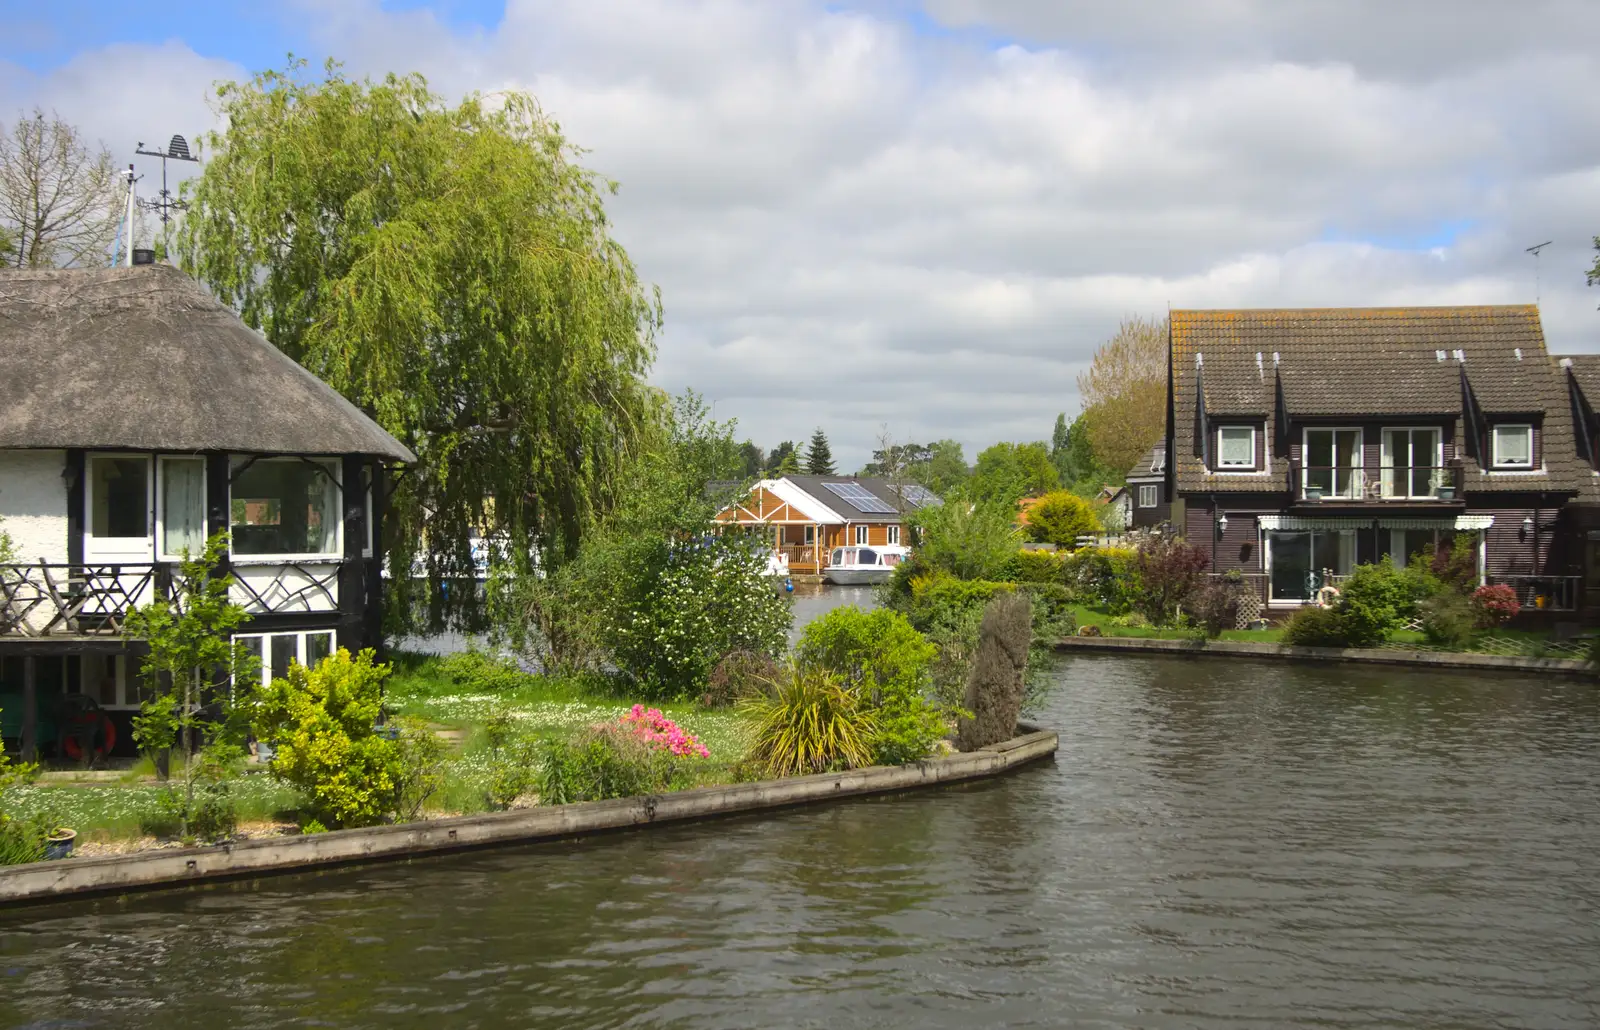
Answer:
(1148, 505)
(1303, 442)
(808, 517)
(1117, 516)
(137, 417)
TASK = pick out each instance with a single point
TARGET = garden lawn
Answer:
(1088, 616)
(113, 811)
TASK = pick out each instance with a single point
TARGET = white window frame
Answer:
(1147, 495)
(1386, 490)
(1358, 468)
(300, 635)
(1226, 466)
(893, 535)
(1494, 445)
(863, 536)
(366, 547)
(161, 504)
(118, 548)
(336, 554)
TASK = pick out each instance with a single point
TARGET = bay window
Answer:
(286, 507)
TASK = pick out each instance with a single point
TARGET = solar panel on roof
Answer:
(860, 496)
(919, 495)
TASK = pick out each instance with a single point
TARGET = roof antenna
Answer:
(177, 150)
(1534, 250)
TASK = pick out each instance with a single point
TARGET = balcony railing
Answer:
(75, 600)
(1544, 593)
(1388, 483)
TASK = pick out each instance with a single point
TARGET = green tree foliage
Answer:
(659, 590)
(320, 724)
(1074, 458)
(1124, 393)
(1008, 472)
(783, 460)
(880, 656)
(964, 539)
(997, 682)
(451, 271)
(1060, 517)
(946, 469)
(22, 839)
(819, 456)
(754, 459)
(193, 660)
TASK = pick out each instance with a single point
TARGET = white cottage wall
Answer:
(33, 504)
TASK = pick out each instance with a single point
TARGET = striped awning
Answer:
(1335, 523)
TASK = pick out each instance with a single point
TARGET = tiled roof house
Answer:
(1303, 442)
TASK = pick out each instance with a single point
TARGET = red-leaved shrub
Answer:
(1495, 605)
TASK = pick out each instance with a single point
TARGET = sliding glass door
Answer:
(1411, 463)
(1332, 462)
(1301, 563)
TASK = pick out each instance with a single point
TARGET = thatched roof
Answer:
(144, 358)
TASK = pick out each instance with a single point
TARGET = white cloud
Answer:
(858, 217)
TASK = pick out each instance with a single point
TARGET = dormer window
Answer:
(1236, 447)
(1513, 446)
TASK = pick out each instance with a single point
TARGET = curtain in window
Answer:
(183, 506)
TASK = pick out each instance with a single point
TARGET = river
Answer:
(1217, 844)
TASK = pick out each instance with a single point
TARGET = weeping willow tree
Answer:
(450, 270)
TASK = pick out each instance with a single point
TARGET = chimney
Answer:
(143, 256)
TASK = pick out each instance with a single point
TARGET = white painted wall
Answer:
(33, 503)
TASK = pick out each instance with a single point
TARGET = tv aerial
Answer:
(1534, 250)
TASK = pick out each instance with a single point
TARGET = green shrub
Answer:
(1036, 567)
(1216, 606)
(1378, 599)
(419, 770)
(476, 672)
(513, 762)
(601, 763)
(810, 722)
(1053, 617)
(966, 540)
(881, 656)
(1104, 576)
(941, 602)
(1449, 620)
(1314, 626)
(1060, 517)
(999, 670)
(22, 839)
(739, 674)
(320, 725)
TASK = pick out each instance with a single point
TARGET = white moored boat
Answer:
(848, 566)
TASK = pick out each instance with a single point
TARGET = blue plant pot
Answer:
(61, 846)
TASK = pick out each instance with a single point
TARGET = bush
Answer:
(739, 674)
(966, 540)
(1313, 626)
(478, 673)
(1060, 517)
(320, 724)
(809, 723)
(1104, 575)
(942, 602)
(21, 839)
(1376, 600)
(881, 656)
(1449, 620)
(1035, 567)
(1495, 605)
(601, 763)
(1216, 605)
(513, 762)
(999, 670)
(1169, 572)
(419, 770)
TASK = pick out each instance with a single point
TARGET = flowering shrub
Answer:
(1495, 605)
(660, 732)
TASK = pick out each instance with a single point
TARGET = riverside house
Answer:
(1147, 503)
(807, 517)
(137, 416)
(1304, 442)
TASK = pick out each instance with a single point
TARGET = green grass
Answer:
(1088, 616)
(110, 811)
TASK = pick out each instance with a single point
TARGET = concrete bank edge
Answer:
(169, 868)
(1372, 656)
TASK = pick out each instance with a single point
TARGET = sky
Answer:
(921, 217)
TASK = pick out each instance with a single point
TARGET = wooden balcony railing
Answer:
(75, 600)
(1387, 483)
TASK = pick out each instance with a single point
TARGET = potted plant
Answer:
(1442, 489)
(1313, 493)
(58, 844)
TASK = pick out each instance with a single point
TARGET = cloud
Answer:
(878, 213)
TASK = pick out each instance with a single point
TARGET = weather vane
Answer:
(165, 203)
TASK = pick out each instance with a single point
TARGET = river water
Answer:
(1216, 845)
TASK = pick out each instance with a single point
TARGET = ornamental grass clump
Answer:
(809, 722)
(601, 763)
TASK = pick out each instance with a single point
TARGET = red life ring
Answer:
(108, 734)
